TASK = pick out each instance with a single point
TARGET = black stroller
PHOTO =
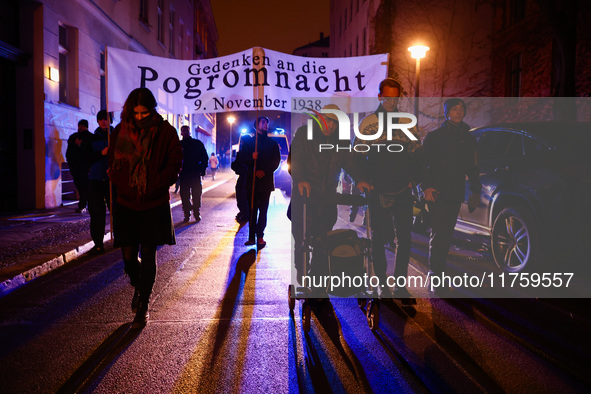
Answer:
(348, 256)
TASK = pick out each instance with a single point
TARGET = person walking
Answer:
(195, 161)
(213, 165)
(241, 194)
(99, 196)
(315, 176)
(391, 175)
(145, 157)
(261, 156)
(450, 156)
(77, 156)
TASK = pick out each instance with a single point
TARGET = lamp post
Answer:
(418, 52)
(231, 120)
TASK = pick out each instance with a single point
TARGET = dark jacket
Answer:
(239, 168)
(319, 168)
(78, 156)
(195, 158)
(450, 156)
(390, 172)
(268, 160)
(99, 163)
(163, 169)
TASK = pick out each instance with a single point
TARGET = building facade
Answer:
(55, 50)
(482, 48)
(318, 48)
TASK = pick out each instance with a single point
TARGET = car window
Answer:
(499, 145)
(534, 147)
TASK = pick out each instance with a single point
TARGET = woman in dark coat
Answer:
(144, 161)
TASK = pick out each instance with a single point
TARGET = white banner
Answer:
(254, 79)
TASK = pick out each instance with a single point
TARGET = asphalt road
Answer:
(220, 322)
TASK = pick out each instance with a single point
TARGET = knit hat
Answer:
(83, 122)
(450, 103)
(331, 116)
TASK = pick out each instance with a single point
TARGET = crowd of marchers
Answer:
(142, 157)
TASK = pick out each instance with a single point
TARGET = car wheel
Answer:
(514, 240)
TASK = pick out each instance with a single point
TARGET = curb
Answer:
(23, 278)
(11, 284)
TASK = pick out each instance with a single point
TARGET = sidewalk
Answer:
(36, 242)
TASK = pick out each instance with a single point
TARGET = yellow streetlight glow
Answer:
(231, 120)
(418, 51)
(54, 74)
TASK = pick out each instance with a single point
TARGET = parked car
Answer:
(536, 183)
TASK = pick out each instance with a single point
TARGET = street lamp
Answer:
(231, 120)
(418, 52)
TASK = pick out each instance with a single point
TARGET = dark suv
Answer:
(536, 183)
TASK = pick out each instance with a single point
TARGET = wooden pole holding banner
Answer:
(257, 92)
(108, 140)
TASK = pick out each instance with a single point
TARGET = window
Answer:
(534, 148)
(171, 36)
(68, 65)
(514, 80)
(144, 11)
(160, 33)
(500, 145)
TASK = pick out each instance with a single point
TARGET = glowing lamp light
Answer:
(243, 131)
(54, 74)
(231, 119)
(418, 51)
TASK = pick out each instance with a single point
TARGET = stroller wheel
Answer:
(373, 314)
(291, 295)
(306, 316)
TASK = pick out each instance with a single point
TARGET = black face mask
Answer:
(146, 122)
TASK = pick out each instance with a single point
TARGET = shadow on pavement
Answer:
(101, 360)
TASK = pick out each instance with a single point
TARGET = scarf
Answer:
(135, 144)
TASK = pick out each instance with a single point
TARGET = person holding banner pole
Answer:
(261, 155)
(145, 157)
